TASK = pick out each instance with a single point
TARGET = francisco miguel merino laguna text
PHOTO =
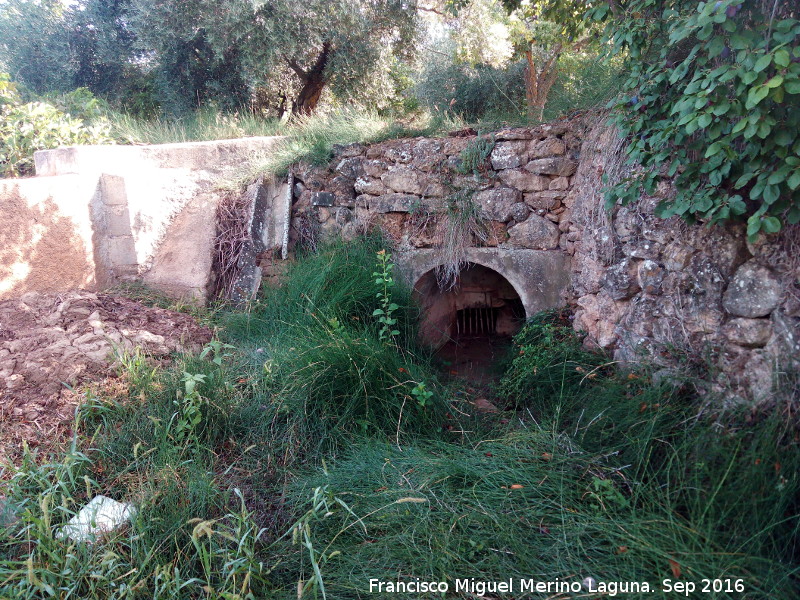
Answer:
(479, 587)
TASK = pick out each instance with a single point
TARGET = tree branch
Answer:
(431, 9)
(302, 74)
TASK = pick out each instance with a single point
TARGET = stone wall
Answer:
(403, 186)
(689, 297)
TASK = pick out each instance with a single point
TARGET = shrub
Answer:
(31, 126)
(711, 99)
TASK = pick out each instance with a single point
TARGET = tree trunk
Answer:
(313, 80)
(539, 82)
(308, 98)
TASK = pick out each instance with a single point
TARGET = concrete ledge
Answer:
(214, 155)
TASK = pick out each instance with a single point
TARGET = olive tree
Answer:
(297, 49)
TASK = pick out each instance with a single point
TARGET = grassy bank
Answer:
(313, 447)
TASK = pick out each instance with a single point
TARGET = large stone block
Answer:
(562, 167)
(545, 148)
(536, 233)
(496, 203)
(754, 292)
(508, 155)
(404, 180)
(752, 333)
(524, 180)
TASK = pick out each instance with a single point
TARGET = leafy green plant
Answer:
(190, 407)
(712, 99)
(385, 282)
(27, 127)
(473, 158)
(421, 393)
(218, 350)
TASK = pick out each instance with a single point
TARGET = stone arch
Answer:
(540, 278)
(481, 303)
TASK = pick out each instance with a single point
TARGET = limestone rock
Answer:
(619, 280)
(562, 167)
(546, 200)
(523, 180)
(754, 292)
(642, 249)
(400, 153)
(375, 168)
(351, 167)
(365, 185)
(545, 148)
(496, 203)
(520, 211)
(404, 180)
(536, 233)
(509, 155)
(676, 256)
(598, 315)
(650, 275)
(752, 333)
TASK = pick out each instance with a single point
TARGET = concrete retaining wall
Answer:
(95, 216)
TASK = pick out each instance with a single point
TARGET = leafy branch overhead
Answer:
(712, 98)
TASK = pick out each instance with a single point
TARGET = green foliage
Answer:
(55, 46)
(711, 99)
(605, 474)
(384, 280)
(492, 97)
(33, 44)
(293, 52)
(29, 126)
(473, 158)
(330, 375)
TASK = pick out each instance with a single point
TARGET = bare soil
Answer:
(53, 345)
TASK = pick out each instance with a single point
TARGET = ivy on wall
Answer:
(712, 98)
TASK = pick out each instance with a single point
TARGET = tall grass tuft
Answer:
(325, 374)
(207, 123)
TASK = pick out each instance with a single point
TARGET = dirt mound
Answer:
(48, 340)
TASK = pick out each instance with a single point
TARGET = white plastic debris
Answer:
(101, 515)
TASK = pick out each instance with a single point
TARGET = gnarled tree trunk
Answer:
(313, 82)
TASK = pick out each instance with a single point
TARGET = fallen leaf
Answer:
(676, 568)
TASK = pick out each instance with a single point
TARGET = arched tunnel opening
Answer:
(471, 323)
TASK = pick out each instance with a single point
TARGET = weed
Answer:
(385, 281)
(473, 158)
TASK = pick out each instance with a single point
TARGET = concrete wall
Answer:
(46, 234)
(95, 216)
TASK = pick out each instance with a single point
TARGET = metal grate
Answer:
(480, 320)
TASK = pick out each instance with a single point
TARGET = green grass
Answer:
(314, 465)
(204, 124)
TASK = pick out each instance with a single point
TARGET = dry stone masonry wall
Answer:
(405, 186)
(690, 297)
